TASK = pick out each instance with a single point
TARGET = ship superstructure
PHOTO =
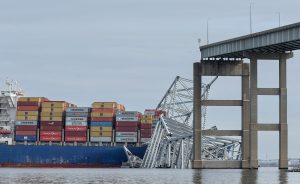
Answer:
(8, 108)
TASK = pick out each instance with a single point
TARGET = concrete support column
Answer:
(253, 114)
(245, 116)
(283, 130)
(197, 160)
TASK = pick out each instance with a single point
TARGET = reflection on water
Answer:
(145, 176)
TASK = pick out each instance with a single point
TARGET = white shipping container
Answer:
(5, 128)
(126, 134)
(77, 119)
(126, 139)
(100, 139)
(151, 113)
(26, 122)
(74, 123)
(127, 119)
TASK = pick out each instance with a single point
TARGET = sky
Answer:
(130, 51)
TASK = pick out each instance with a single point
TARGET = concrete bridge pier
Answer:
(281, 92)
(221, 68)
(248, 104)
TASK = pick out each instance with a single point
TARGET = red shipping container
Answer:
(26, 127)
(28, 104)
(75, 139)
(50, 133)
(144, 135)
(99, 119)
(51, 138)
(146, 131)
(126, 124)
(126, 129)
(5, 131)
(26, 133)
(51, 128)
(75, 128)
(51, 123)
(103, 110)
(146, 126)
(28, 108)
(159, 112)
(75, 134)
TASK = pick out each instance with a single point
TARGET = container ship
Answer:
(38, 132)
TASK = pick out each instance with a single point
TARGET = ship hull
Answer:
(65, 156)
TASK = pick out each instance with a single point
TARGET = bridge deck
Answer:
(278, 40)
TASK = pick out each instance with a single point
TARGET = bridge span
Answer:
(226, 58)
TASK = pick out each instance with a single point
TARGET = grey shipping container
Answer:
(77, 114)
(127, 119)
(126, 139)
(100, 139)
(145, 139)
(126, 134)
(78, 109)
(127, 113)
(76, 123)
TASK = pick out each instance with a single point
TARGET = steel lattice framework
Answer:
(172, 140)
(178, 100)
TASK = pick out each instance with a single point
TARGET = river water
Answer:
(145, 176)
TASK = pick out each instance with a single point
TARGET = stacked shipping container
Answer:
(76, 124)
(127, 126)
(60, 121)
(52, 118)
(27, 118)
(102, 120)
(155, 114)
(146, 127)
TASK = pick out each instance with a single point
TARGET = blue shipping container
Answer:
(25, 138)
(105, 124)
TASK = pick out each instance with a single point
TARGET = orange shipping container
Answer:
(102, 115)
(103, 110)
(26, 133)
(32, 99)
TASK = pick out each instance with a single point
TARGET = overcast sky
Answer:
(130, 51)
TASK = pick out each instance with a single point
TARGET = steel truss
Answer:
(172, 140)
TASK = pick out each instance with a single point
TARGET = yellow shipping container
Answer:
(51, 114)
(31, 99)
(30, 118)
(120, 107)
(106, 105)
(147, 117)
(101, 134)
(146, 121)
(51, 118)
(61, 110)
(27, 113)
(100, 128)
(102, 115)
(54, 104)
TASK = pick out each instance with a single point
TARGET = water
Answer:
(145, 176)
